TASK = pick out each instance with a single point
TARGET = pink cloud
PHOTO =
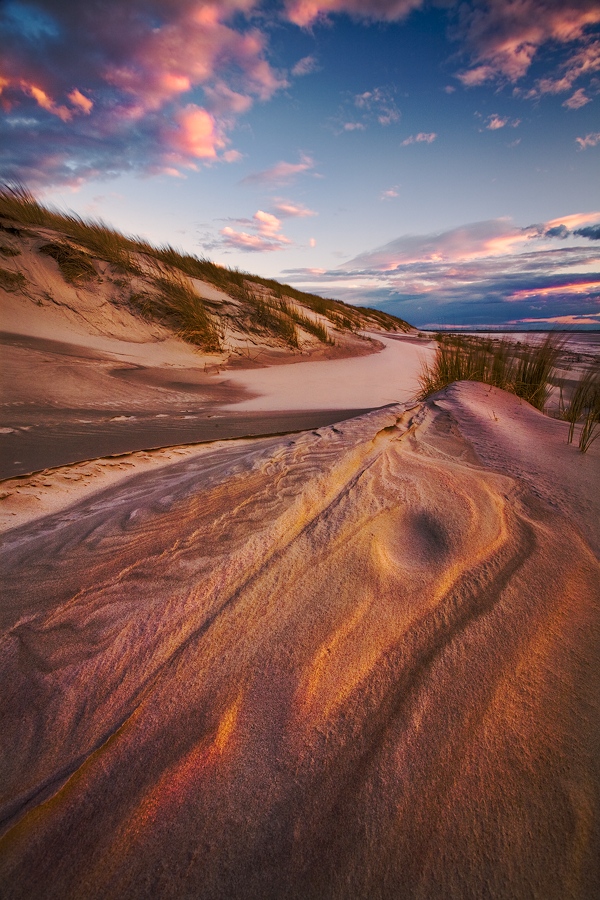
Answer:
(460, 246)
(305, 12)
(578, 287)
(80, 100)
(577, 100)
(590, 140)
(287, 209)
(494, 122)
(197, 134)
(140, 70)
(390, 193)
(421, 138)
(574, 220)
(504, 37)
(267, 236)
(585, 319)
(281, 172)
(584, 61)
(268, 225)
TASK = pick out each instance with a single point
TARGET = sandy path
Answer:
(343, 665)
(389, 376)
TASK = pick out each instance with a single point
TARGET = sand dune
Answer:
(359, 662)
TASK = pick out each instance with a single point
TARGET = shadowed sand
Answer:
(360, 662)
(65, 402)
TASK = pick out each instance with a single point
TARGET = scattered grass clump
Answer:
(266, 317)
(8, 251)
(19, 204)
(12, 281)
(584, 407)
(534, 368)
(525, 371)
(316, 328)
(74, 265)
(178, 306)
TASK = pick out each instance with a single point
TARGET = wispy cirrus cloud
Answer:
(281, 173)
(289, 210)
(489, 272)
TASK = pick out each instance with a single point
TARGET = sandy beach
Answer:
(360, 661)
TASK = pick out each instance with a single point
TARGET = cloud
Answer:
(421, 138)
(306, 12)
(286, 209)
(494, 122)
(128, 80)
(577, 100)
(196, 137)
(305, 66)
(390, 193)
(582, 62)
(267, 236)
(378, 104)
(590, 140)
(503, 38)
(281, 172)
(481, 273)
(591, 231)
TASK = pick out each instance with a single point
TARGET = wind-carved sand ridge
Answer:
(359, 662)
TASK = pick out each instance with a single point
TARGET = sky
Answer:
(437, 160)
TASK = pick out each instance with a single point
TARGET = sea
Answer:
(577, 343)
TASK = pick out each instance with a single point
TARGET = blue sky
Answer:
(440, 161)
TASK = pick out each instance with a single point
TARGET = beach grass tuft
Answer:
(584, 407)
(523, 370)
(180, 307)
(74, 265)
(12, 281)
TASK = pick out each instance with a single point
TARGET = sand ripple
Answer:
(354, 663)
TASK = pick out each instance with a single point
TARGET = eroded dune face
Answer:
(355, 663)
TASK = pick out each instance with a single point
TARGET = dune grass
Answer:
(127, 254)
(12, 281)
(178, 306)
(74, 265)
(584, 407)
(525, 371)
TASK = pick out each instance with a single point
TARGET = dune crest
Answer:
(359, 662)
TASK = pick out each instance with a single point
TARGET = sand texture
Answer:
(359, 662)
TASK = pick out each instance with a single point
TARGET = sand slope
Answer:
(361, 662)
